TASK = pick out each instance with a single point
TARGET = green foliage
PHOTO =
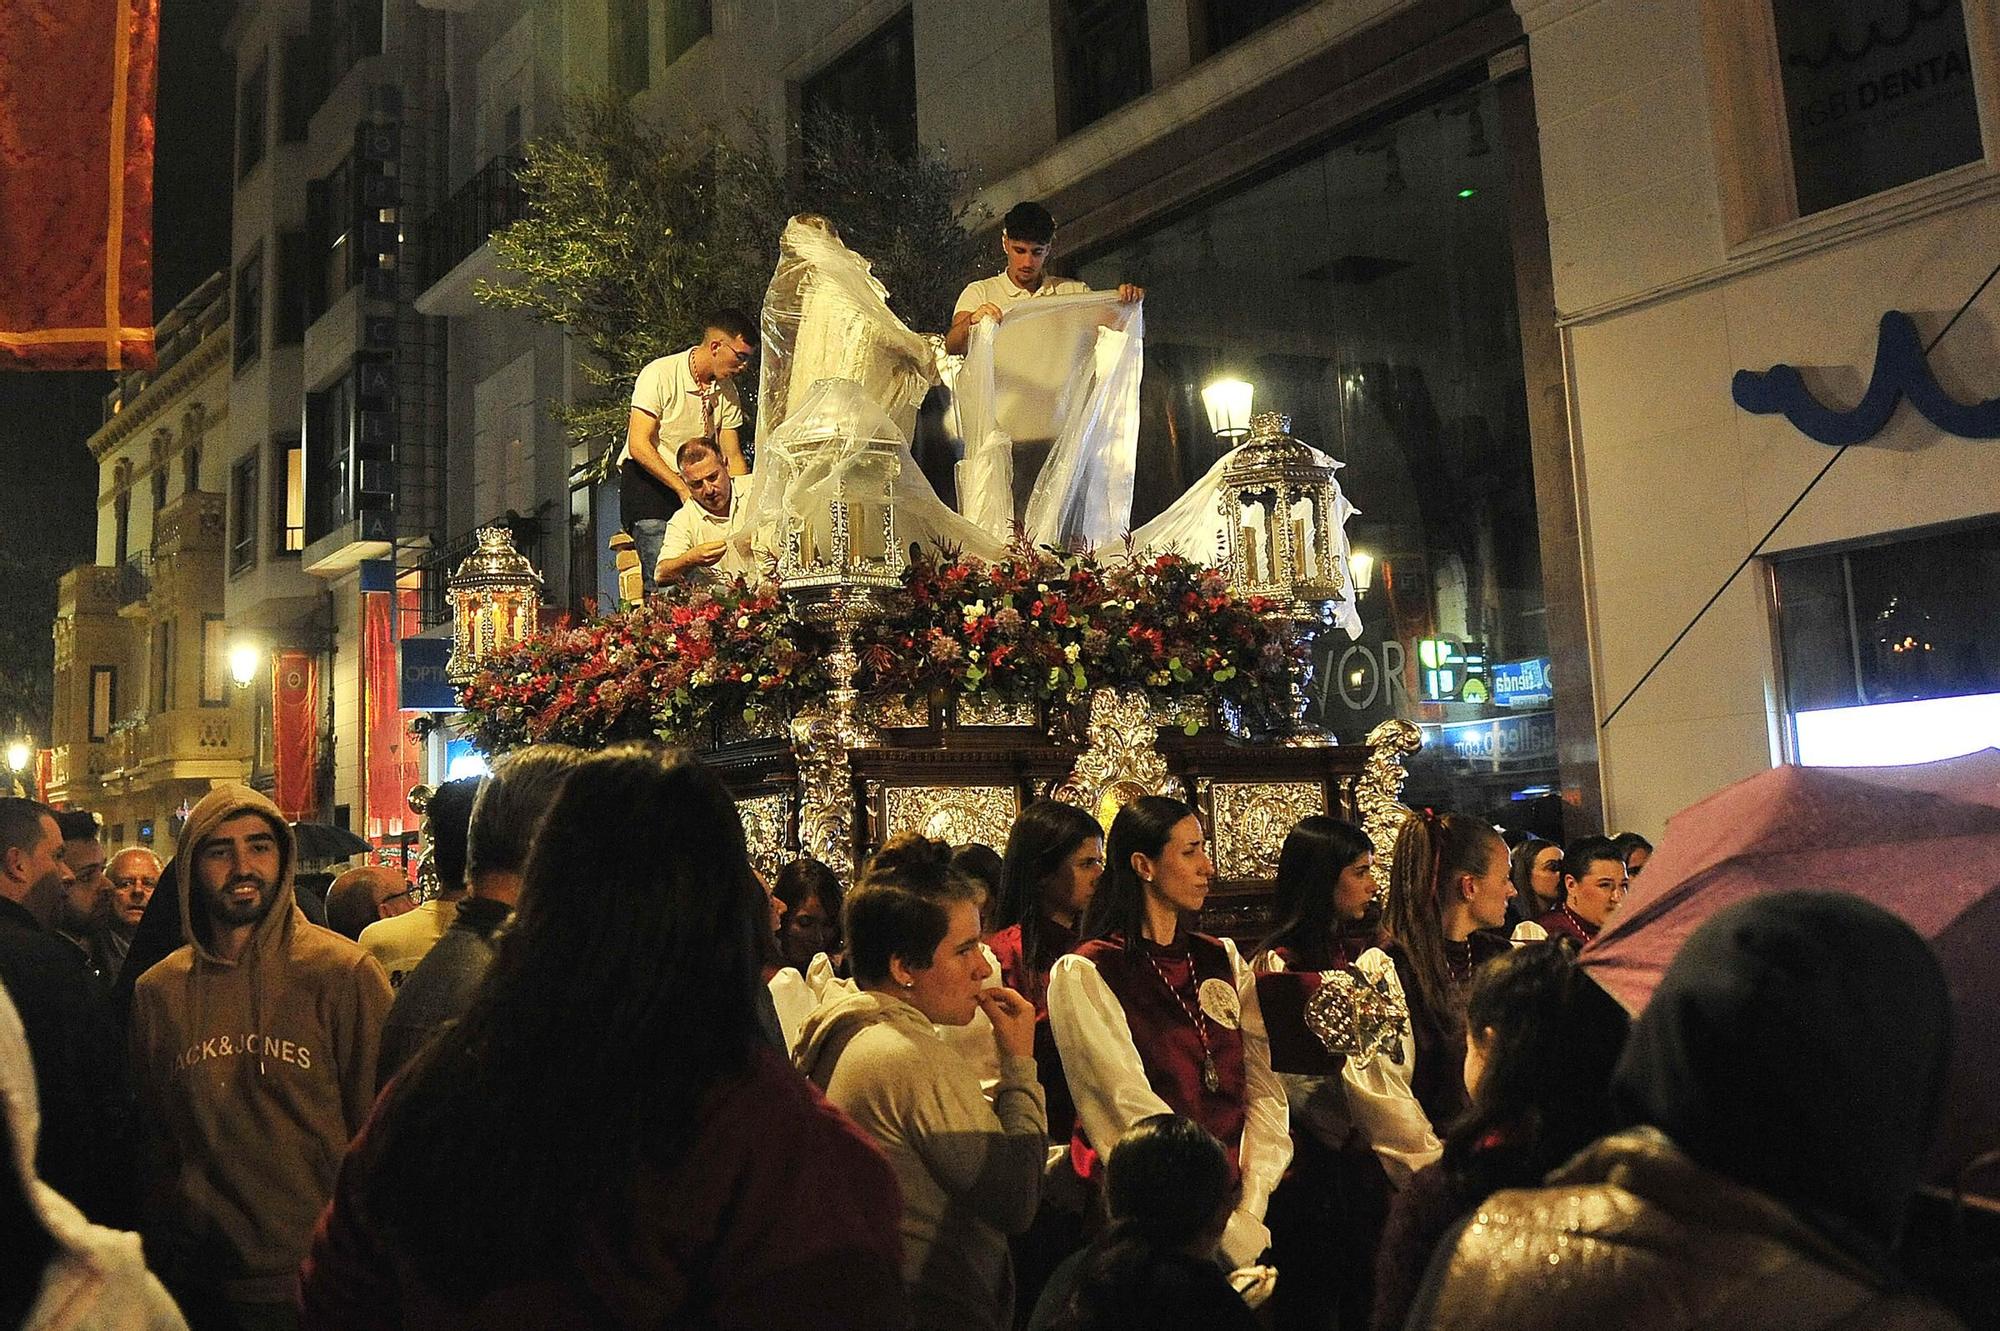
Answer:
(634, 236)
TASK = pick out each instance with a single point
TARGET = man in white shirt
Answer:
(701, 540)
(677, 398)
(1027, 239)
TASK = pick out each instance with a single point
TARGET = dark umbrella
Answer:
(1922, 842)
(322, 843)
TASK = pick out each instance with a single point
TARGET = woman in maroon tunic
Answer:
(1153, 1018)
(1448, 894)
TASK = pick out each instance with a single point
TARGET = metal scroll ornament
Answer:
(1378, 795)
(1356, 1017)
(1120, 763)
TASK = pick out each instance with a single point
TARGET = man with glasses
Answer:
(680, 397)
(79, 912)
(134, 873)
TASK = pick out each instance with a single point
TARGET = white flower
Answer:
(1073, 651)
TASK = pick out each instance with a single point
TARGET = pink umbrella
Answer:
(1922, 842)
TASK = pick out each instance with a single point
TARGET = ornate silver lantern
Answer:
(1282, 514)
(840, 459)
(495, 596)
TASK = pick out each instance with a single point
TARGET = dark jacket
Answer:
(780, 1214)
(441, 986)
(1791, 1068)
(1160, 1291)
(79, 1066)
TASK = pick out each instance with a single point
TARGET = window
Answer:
(249, 311)
(874, 86)
(243, 515)
(1107, 58)
(288, 498)
(159, 486)
(294, 288)
(1888, 651)
(253, 119)
(302, 86)
(1877, 93)
(329, 458)
(688, 21)
(191, 468)
(214, 661)
(1817, 103)
(629, 31)
(103, 701)
(348, 31)
(330, 213)
(121, 507)
(163, 665)
(1226, 22)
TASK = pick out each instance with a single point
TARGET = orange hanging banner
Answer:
(77, 81)
(295, 733)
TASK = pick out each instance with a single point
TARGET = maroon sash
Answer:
(1167, 1042)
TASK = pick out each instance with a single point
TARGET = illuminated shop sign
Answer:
(1523, 683)
(1526, 740)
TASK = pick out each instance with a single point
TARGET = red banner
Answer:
(395, 754)
(295, 733)
(77, 79)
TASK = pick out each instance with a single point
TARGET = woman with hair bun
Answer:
(1152, 1018)
(970, 1172)
(1448, 893)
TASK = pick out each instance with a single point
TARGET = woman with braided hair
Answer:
(1448, 893)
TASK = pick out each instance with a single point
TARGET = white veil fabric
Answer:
(826, 316)
(1196, 527)
(1064, 370)
(839, 443)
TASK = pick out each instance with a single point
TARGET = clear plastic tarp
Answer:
(1048, 407)
(839, 443)
(1197, 524)
(825, 316)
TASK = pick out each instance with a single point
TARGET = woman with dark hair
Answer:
(1593, 883)
(1448, 894)
(1054, 862)
(1536, 866)
(1325, 1215)
(1542, 1041)
(607, 1135)
(1168, 1192)
(970, 1172)
(981, 863)
(811, 928)
(1153, 1018)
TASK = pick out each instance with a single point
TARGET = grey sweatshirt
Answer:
(970, 1172)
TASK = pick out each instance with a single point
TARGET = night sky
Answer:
(47, 480)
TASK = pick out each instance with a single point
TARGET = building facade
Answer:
(1733, 186)
(146, 717)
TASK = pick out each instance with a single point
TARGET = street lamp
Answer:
(244, 658)
(18, 754)
(1228, 404)
(1360, 572)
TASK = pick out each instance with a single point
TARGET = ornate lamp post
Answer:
(1282, 512)
(833, 467)
(494, 597)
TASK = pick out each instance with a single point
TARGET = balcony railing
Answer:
(135, 577)
(478, 208)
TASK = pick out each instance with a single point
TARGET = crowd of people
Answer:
(609, 1075)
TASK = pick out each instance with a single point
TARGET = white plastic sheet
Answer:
(1197, 527)
(1062, 371)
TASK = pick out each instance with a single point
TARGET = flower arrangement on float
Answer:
(1039, 625)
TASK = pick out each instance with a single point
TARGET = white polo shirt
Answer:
(693, 525)
(1000, 290)
(667, 392)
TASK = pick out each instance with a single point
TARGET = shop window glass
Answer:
(1877, 93)
(1890, 646)
(1368, 292)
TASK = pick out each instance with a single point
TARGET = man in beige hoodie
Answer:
(254, 1052)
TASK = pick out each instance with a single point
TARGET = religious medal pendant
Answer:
(1209, 1076)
